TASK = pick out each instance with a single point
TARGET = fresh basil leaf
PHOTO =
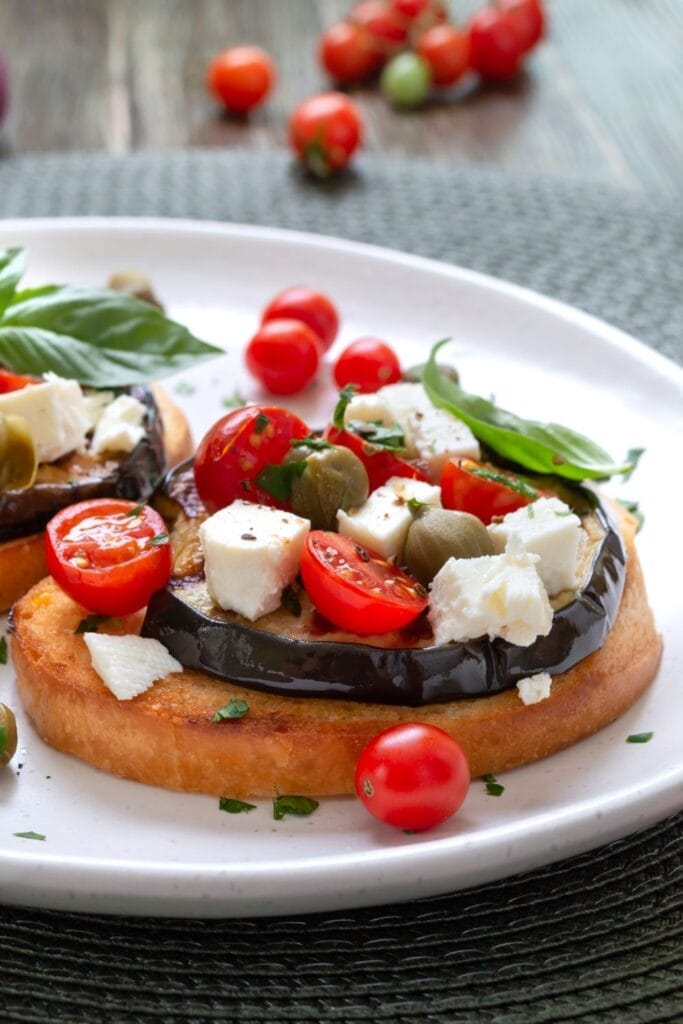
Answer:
(90, 623)
(296, 805)
(541, 447)
(634, 508)
(277, 480)
(345, 396)
(30, 835)
(3, 650)
(235, 708)
(226, 803)
(515, 483)
(316, 444)
(493, 788)
(12, 267)
(393, 438)
(640, 737)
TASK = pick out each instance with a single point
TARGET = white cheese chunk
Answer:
(494, 596)
(534, 688)
(547, 528)
(402, 401)
(382, 522)
(120, 426)
(367, 409)
(251, 552)
(95, 403)
(437, 437)
(129, 665)
(55, 413)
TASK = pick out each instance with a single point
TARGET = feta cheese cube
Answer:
(382, 522)
(402, 401)
(437, 437)
(129, 665)
(494, 596)
(251, 552)
(534, 688)
(120, 426)
(367, 409)
(547, 528)
(55, 413)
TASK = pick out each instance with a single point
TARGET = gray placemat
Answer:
(593, 939)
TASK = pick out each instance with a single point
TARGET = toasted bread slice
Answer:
(22, 561)
(166, 737)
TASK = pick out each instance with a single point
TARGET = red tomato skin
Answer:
(447, 51)
(232, 453)
(325, 131)
(121, 579)
(284, 356)
(313, 309)
(387, 27)
(348, 52)
(462, 491)
(529, 18)
(10, 381)
(369, 363)
(412, 776)
(496, 50)
(240, 77)
(380, 465)
(355, 608)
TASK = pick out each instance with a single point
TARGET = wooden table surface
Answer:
(602, 98)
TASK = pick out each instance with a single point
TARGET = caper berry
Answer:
(8, 734)
(18, 463)
(440, 534)
(334, 478)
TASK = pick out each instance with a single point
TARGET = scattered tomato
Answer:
(483, 491)
(284, 355)
(357, 589)
(238, 447)
(369, 364)
(387, 27)
(325, 131)
(240, 77)
(496, 50)
(10, 381)
(108, 555)
(312, 308)
(447, 51)
(529, 19)
(348, 52)
(412, 776)
(411, 8)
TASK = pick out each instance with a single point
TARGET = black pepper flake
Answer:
(362, 554)
(248, 536)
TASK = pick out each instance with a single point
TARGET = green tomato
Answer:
(406, 80)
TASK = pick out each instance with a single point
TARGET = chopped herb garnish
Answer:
(290, 600)
(513, 482)
(235, 708)
(379, 434)
(345, 396)
(137, 511)
(90, 623)
(29, 835)
(634, 509)
(261, 423)
(233, 401)
(415, 505)
(640, 737)
(493, 788)
(316, 444)
(530, 511)
(161, 538)
(277, 480)
(368, 788)
(3, 650)
(300, 806)
(226, 803)
(183, 387)
(563, 513)
(633, 458)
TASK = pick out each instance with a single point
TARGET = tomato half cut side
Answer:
(381, 465)
(108, 555)
(483, 491)
(357, 589)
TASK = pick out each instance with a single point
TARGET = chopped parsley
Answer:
(316, 444)
(136, 511)
(233, 401)
(415, 505)
(393, 438)
(640, 737)
(30, 835)
(345, 396)
(261, 423)
(3, 650)
(90, 623)
(226, 803)
(493, 788)
(515, 483)
(301, 806)
(161, 538)
(277, 480)
(235, 708)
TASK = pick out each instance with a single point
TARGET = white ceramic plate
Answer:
(122, 847)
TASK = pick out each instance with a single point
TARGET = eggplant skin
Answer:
(134, 479)
(406, 676)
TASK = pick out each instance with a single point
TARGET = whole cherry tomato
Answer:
(108, 555)
(447, 51)
(348, 52)
(529, 19)
(420, 14)
(483, 491)
(240, 77)
(412, 776)
(313, 308)
(357, 589)
(10, 381)
(387, 27)
(369, 364)
(284, 355)
(235, 450)
(325, 131)
(496, 48)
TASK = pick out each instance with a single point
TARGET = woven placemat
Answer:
(593, 939)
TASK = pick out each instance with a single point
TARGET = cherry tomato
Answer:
(490, 494)
(348, 52)
(284, 355)
(529, 19)
(412, 776)
(109, 555)
(447, 51)
(496, 49)
(240, 77)
(357, 589)
(379, 463)
(10, 381)
(238, 447)
(387, 27)
(312, 308)
(325, 131)
(369, 364)
(411, 8)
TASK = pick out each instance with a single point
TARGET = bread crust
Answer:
(22, 560)
(166, 736)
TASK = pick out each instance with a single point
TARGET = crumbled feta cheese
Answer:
(120, 426)
(437, 437)
(534, 688)
(55, 414)
(129, 665)
(95, 403)
(382, 522)
(494, 596)
(367, 409)
(547, 528)
(252, 552)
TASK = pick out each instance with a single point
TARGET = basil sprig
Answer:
(375, 432)
(540, 447)
(96, 336)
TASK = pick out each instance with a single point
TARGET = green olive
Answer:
(8, 734)
(414, 373)
(439, 535)
(18, 463)
(334, 478)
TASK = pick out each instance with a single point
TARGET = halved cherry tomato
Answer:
(240, 77)
(380, 464)
(313, 309)
(325, 131)
(348, 52)
(496, 47)
(284, 355)
(356, 588)
(238, 447)
(483, 491)
(108, 555)
(369, 364)
(412, 776)
(10, 381)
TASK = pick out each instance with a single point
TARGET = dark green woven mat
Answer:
(594, 939)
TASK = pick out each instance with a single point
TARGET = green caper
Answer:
(8, 734)
(334, 478)
(440, 534)
(414, 373)
(18, 463)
